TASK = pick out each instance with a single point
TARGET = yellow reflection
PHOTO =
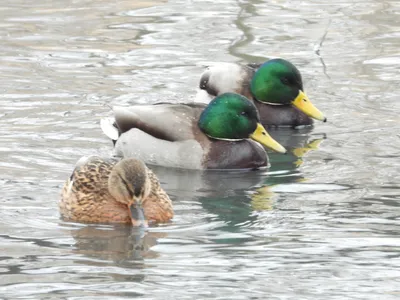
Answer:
(302, 179)
(263, 199)
(300, 152)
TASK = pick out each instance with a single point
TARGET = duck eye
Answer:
(285, 81)
(243, 113)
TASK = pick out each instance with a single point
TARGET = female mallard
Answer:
(110, 191)
(221, 135)
(276, 85)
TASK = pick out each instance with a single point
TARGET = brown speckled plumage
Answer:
(86, 196)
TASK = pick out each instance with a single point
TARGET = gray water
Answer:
(321, 223)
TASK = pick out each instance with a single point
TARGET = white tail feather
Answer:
(107, 126)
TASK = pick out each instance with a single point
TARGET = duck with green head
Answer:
(225, 134)
(275, 87)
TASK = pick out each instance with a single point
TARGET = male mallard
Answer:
(110, 191)
(275, 87)
(221, 135)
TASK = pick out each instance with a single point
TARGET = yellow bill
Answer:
(304, 104)
(260, 135)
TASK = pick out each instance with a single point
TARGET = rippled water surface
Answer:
(322, 223)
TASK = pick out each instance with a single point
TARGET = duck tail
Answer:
(109, 128)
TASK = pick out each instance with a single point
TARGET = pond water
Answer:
(321, 223)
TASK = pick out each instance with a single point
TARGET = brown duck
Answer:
(111, 191)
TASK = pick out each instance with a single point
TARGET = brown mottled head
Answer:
(128, 182)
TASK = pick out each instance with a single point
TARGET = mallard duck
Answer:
(225, 134)
(275, 87)
(111, 191)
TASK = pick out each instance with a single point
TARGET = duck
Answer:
(109, 190)
(275, 87)
(225, 134)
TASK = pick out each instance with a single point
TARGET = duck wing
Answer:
(166, 121)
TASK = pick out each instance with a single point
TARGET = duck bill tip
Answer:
(303, 103)
(137, 216)
(261, 135)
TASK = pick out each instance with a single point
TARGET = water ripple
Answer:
(321, 222)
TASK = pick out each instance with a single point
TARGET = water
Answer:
(322, 223)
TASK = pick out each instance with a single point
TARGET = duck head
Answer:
(129, 184)
(233, 117)
(279, 82)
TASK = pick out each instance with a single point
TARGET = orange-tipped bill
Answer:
(261, 135)
(304, 104)
(137, 215)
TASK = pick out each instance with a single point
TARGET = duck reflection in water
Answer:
(228, 196)
(298, 142)
(124, 245)
(234, 196)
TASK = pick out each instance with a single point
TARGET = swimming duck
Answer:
(225, 134)
(275, 87)
(111, 191)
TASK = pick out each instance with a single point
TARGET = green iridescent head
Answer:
(229, 116)
(233, 117)
(276, 81)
